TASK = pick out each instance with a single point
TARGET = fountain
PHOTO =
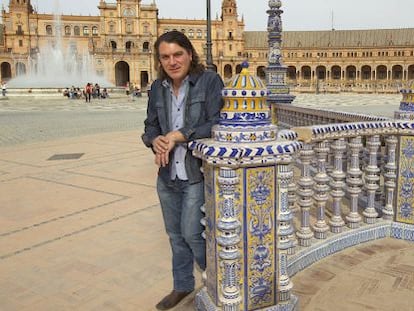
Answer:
(55, 67)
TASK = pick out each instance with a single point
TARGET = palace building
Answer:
(121, 39)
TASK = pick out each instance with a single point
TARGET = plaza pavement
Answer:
(86, 233)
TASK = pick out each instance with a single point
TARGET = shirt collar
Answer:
(167, 82)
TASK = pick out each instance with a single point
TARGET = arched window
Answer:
(111, 28)
(145, 46)
(85, 30)
(76, 31)
(113, 45)
(67, 30)
(128, 46)
(49, 30)
(199, 33)
(94, 31)
(191, 33)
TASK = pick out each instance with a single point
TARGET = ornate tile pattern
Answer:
(405, 181)
(260, 244)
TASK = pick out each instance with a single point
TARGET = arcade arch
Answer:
(238, 68)
(366, 72)
(228, 71)
(410, 72)
(381, 72)
(336, 72)
(350, 72)
(306, 72)
(260, 72)
(397, 72)
(6, 71)
(122, 73)
(291, 73)
(321, 72)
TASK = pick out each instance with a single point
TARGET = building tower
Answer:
(230, 36)
(276, 72)
(19, 17)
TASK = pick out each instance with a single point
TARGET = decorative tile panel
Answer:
(405, 181)
(259, 225)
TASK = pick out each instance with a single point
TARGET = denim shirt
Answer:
(202, 111)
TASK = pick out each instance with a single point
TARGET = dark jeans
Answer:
(88, 97)
(180, 203)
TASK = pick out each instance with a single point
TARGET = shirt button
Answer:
(176, 162)
(179, 109)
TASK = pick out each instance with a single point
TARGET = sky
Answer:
(298, 14)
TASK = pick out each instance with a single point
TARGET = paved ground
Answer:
(86, 233)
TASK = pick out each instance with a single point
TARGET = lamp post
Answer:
(209, 57)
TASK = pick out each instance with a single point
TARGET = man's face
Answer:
(175, 60)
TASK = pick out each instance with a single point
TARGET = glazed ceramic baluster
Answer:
(354, 182)
(371, 178)
(338, 176)
(228, 239)
(321, 189)
(390, 177)
(285, 244)
(305, 193)
(293, 207)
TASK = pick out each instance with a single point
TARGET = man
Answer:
(184, 103)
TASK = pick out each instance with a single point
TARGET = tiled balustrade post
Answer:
(285, 244)
(228, 239)
(354, 182)
(336, 222)
(305, 193)
(390, 176)
(248, 221)
(293, 207)
(371, 178)
(321, 189)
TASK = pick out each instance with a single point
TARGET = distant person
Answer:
(127, 89)
(136, 92)
(97, 91)
(66, 93)
(177, 114)
(104, 93)
(3, 88)
(88, 92)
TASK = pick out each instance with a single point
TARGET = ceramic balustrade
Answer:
(350, 188)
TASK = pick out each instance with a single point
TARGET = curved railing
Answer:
(274, 208)
(289, 115)
(353, 183)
